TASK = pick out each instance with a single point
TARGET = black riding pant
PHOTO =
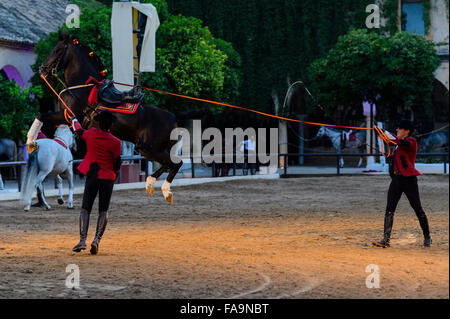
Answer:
(408, 185)
(93, 186)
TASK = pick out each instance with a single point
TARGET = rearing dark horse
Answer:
(149, 128)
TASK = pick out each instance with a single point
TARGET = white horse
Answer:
(342, 139)
(51, 158)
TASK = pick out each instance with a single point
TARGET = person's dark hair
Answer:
(105, 120)
(406, 125)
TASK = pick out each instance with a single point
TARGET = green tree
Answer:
(392, 72)
(18, 109)
(189, 58)
(189, 62)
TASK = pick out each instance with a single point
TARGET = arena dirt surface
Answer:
(288, 238)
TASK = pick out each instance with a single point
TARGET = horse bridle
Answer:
(53, 70)
(54, 73)
(60, 58)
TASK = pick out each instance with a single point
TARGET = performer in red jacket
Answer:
(100, 165)
(404, 180)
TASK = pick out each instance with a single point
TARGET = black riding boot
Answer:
(40, 202)
(388, 222)
(423, 220)
(101, 226)
(84, 226)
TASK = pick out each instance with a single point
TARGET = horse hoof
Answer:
(48, 208)
(169, 198)
(60, 201)
(70, 207)
(150, 190)
(27, 208)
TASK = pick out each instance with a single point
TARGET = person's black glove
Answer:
(117, 164)
(79, 134)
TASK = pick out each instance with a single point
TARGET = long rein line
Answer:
(382, 135)
(379, 131)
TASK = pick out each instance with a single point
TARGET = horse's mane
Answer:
(96, 58)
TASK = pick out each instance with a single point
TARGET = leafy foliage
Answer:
(189, 62)
(392, 71)
(389, 11)
(18, 109)
(189, 59)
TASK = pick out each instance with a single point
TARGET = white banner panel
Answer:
(122, 41)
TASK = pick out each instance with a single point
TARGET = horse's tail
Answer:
(30, 176)
(190, 115)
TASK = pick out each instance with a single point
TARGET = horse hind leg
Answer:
(173, 170)
(60, 189)
(39, 185)
(166, 164)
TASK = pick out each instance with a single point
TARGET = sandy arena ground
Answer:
(289, 238)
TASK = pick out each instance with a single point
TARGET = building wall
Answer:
(439, 21)
(439, 32)
(21, 59)
(442, 73)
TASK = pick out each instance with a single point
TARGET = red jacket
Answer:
(103, 148)
(404, 160)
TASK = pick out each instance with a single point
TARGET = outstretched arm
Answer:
(79, 131)
(404, 142)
